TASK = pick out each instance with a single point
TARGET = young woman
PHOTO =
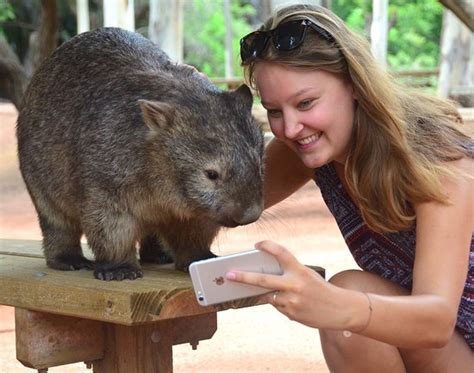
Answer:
(396, 172)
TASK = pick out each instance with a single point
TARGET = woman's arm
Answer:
(427, 317)
(285, 173)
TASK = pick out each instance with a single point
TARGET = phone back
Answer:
(212, 287)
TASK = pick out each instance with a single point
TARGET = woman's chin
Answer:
(312, 162)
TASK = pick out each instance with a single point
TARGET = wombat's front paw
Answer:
(151, 251)
(183, 265)
(69, 263)
(162, 258)
(118, 272)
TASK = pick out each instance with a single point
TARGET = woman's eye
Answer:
(273, 113)
(305, 104)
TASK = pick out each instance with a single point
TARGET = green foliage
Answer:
(204, 34)
(355, 13)
(415, 29)
(7, 13)
(414, 40)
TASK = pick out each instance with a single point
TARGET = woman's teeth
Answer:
(308, 140)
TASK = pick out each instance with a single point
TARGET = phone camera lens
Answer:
(200, 296)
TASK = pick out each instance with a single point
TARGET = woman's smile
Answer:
(307, 142)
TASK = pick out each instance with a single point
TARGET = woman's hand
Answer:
(299, 293)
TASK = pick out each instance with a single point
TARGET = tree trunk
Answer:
(456, 77)
(13, 79)
(165, 27)
(13, 76)
(83, 23)
(229, 68)
(379, 30)
(119, 13)
(45, 40)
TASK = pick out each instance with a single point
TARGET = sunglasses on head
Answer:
(285, 37)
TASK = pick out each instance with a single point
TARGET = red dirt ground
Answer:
(256, 339)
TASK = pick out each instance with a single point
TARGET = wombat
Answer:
(120, 144)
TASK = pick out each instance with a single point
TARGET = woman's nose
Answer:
(292, 126)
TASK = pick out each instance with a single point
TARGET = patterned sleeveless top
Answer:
(391, 255)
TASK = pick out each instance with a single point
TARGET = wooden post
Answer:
(456, 65)
(229, 68)
(379, 30)
(83, 23)
(165, 26)
(119, 13)
(148, 348)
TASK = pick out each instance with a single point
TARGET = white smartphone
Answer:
(212, 287)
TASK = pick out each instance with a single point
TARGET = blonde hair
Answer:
(401, 138)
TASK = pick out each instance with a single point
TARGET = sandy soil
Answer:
(257, 339)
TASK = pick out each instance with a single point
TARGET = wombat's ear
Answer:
(245, 95)
(156, 114)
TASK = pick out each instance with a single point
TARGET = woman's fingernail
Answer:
(230, 275)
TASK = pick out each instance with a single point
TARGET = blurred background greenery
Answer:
(413, 39)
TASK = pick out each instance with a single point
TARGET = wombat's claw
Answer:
(70, 263)
(118, 273)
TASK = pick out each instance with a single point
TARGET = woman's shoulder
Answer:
(464, 165)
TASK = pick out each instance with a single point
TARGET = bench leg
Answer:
(148, 348)
(46, 340)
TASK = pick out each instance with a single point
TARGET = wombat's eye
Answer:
(212, 174)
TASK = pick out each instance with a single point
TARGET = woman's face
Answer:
(311, 111)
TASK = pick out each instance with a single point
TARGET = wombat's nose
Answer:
(249, 215)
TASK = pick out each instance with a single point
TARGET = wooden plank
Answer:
(30, 248)
(28, 283)
(162, 294)
(21, 247)
(44, 340)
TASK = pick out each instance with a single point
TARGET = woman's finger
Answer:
(270, 282)
(282, 254)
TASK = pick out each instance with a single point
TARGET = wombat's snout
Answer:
(238, 216)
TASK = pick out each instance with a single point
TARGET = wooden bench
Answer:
(121, 327)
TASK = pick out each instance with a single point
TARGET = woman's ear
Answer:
(355, 94)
